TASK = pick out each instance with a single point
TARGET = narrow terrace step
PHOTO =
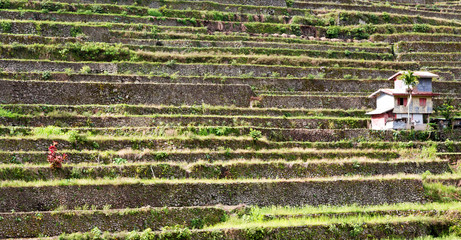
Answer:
(197, 69)
(156, 4)
(392, 210)
(356, 18)
(343, 102)
(97, 93)
(197, 155)
(451, 66)
(399, 227)
(53, 29)
(308, 122)
(312, 93)
(426, 46)
(95, 18)
(38, 224)
(456, 70)
(389, 9)
(392, 38)
(450, 58)
(171, 143)
(49, 110)
(123, 193)
(270, 83)
(232, 169)
(308, 101)
(255, 56)
(272, 134)
(261, 38)
(248, 42)
(307, 83)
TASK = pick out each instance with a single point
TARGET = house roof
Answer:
(417, 94)
(379, 111)
(421, 74)
(387, 91)
(393, 92)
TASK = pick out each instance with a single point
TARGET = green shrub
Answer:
(85, 70)
(386, 17)
(333, 31)
(47, 131)
(49, 6)
(119, 161)
(6, 26)
(97, 9)
(154, 12)
(424, 28)
(255, 134)
(160, 155)
(197, 223)
(7, 113)
(46, 75)
(4, 4)
(75, 31)
(176, 232)
(255, 233)
(74, 137)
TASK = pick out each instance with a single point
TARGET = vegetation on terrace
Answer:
(150, 103)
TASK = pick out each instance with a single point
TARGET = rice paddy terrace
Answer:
(221, 119)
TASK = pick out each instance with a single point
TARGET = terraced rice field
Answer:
(223, 120)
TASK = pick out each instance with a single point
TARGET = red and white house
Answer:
(391, 104)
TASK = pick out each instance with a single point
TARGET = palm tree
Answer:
(410, 80)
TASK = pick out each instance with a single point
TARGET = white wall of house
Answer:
(384, 101)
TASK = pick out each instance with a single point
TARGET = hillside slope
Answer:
(223, 120)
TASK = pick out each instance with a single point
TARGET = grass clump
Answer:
(47, 131)
(439, 192)
(154, 12)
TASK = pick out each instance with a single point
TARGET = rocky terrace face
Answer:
(223, 120)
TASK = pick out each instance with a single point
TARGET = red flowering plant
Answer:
(54, 158)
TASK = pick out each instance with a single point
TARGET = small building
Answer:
(391, 104)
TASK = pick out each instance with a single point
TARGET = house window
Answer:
(422, 102)
(402, 101)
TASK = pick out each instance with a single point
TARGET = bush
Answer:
(46, 75)
(333, 31)
(420, 28)
(75, 31)
(255, 134)
(6, 26)
(85, 70)
(4, 4)
(75, 137)
(47, 131)
(119, 161)
(154, 12)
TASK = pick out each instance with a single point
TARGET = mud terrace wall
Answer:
(97, 93)
(291, 193)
